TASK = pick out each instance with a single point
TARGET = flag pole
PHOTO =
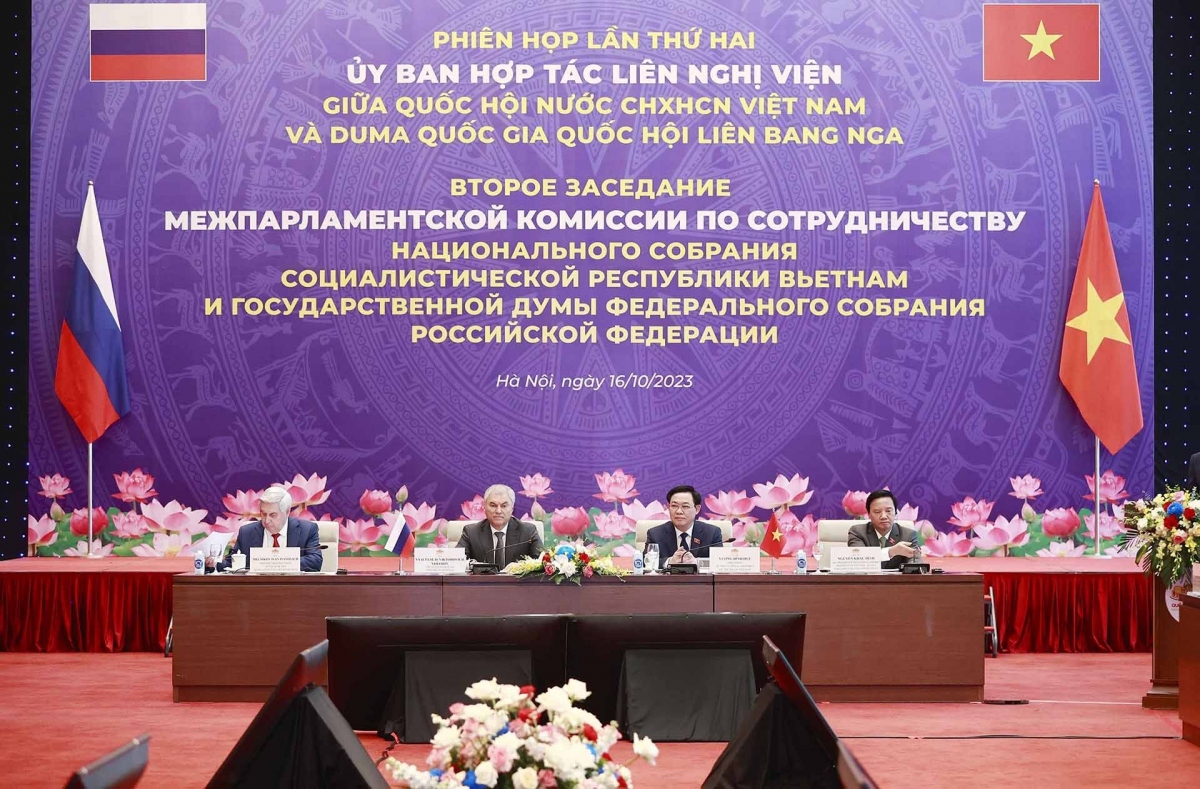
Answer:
(1096, 492)
(90, 554)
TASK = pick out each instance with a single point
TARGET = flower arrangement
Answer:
(502, 740)
(1164, 533)
(568, 562)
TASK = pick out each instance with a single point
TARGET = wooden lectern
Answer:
(1164, 680)
(1189, 668)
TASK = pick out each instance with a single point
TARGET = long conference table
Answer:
(884, 637)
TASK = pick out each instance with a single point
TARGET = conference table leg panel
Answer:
(489, 595)
(877, 638)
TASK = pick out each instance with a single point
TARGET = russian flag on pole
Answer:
(90, 379)
(400, 541)
(148, 42)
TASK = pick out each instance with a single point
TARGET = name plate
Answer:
(274, 560)
(731, 560)
(844, 559)
(440, 561)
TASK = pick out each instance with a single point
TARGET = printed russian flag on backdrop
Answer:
(148, 42)
(90, 379)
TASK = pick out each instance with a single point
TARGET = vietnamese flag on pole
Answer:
(1097, 366)
(773, 540)
(1032, 42)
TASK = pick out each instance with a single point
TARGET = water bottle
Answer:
(198, 563)
(801, 562)
(639, 564)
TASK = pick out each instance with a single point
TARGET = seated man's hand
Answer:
(901, 549)
(210, 561)
(682, 557)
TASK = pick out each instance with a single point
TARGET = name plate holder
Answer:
(440, 561)
(857, 559)
(730, 560)
(274, 561)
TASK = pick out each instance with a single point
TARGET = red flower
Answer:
(528, 690)
(546, 557)
(528, 715)
(583, 557)
(1170, 521)
(1178, 539)
(1190, 514)
(590, 732)
(621, 782)
(549, 568)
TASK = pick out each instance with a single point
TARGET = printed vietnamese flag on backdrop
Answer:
(1097, 365)
(772, 542)
(1030, 42)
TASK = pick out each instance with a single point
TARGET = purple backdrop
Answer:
(937, 408)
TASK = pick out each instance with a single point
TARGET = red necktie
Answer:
(275, 537)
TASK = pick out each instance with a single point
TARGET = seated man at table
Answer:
(499, 538)
(276, 529)
(883, 531)
(684, 538)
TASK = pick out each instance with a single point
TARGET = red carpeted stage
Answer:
(124, 604)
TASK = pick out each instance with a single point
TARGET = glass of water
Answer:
(817, 556)
(652, 558)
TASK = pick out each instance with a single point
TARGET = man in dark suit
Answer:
(275, 529)
(1194, 472)
(684, 539)
(499, 538)
(883, 532)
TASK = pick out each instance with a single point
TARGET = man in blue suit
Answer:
(684, 534)
(275, 529)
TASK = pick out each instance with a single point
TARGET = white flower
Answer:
(606, 738)
(486, 775)
(477, 712)
(554, 700)
(508, 696)
(447, 738)
(569, 760)
(576, 690)
(484, 690)
(575, 718)
(643, 747)
(525, 778)
(564, 566)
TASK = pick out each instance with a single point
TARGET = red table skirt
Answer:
(1086, 612)
(84, 612)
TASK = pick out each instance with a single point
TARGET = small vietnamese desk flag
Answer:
(90, 379)
(400, 541)
(1097, 365)
(773, 540)
(1030, 42)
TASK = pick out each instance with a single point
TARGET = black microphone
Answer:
(687, 568)
(489, 568)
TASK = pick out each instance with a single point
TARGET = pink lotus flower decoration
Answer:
(79, 521)
(174, 517)
(80, 549)
(55, 487)
(128, 525)
(1060, 522)
(969, 513)
(1026, 487)
(613, 525)
(230, 524)
(535, 486)
(783, 492)
(798, 535)
(1112, 487)
(358, 535)
(308, 492)
(1062, 549)
(244, 502)
(617, 486)
(473, 510)
(1001, 534)
(134, 486)
(41, 532)
(1110, 527)
(420, 519)
(855, 503)
(375, 502)
(166, 545)
(569, 521)
(908, 513)
(728, 505)
(654, 511)
(746, 532)
(948, 544)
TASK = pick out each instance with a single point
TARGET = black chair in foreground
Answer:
(119, 769)
(299, 739)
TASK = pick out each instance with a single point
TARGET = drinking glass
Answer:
(652, 558)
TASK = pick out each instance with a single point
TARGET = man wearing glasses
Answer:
(684, 538)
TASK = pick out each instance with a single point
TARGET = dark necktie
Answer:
(275, 537)
(683, 540)
(499, 560)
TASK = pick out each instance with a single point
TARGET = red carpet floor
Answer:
(61, 710)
